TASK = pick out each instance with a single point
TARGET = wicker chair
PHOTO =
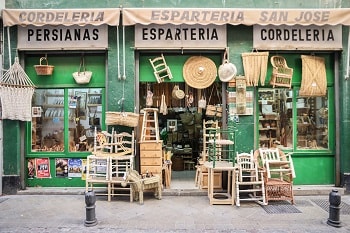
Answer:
(278, 175)
(139, 185)
(281, 73)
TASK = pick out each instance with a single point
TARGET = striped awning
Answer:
(236, 16)
(66, 17)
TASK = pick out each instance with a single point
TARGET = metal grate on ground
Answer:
(280, 207)
(324, 204)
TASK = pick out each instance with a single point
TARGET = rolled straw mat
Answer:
(199, 72)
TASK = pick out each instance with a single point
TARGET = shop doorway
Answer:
(181, 125)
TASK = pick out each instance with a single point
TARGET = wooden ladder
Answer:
(150, 126)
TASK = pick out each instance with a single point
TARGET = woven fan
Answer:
(16, 92)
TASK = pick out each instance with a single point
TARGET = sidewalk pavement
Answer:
(54, 212)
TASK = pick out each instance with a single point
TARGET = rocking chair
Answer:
(249, 180)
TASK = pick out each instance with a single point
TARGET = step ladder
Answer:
(150, 126)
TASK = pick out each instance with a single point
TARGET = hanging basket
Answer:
(122, 118)
(16, 92)
(43, 69)
(82, 76)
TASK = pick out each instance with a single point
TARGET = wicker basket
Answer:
(122, 118)
(43, 69)
(214, 110)
(83, 77)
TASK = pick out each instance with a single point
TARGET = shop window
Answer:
(60, 112)
(277, 118)
(312, 122)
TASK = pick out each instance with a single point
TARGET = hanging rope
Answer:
(9, 45)
(124, 75)
(118, 57)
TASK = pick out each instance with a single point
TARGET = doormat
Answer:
(280, 207)
(324, 204)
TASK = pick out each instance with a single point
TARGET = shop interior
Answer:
(48, 122)
(276, 119)
(181, 124)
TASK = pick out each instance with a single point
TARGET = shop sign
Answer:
(62, 37)
(66, 17)
(180, 36)
(236, 16)
(298, 37)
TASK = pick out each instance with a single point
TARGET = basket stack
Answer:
(129, 119)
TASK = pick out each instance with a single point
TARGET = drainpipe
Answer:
(337, 120)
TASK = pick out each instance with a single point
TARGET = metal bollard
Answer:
(90, 200)
(334, 209)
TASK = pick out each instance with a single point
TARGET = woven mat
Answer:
(280, 207)
(324, 204)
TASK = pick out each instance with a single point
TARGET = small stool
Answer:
(188, 165)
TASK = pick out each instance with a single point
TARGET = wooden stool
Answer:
(150, 125)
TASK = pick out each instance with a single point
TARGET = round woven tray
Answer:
(199, 72)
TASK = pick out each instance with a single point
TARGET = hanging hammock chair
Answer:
(16, 92)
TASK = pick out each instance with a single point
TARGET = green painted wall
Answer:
(174, 60)
(64, 65)
(314, 169)
(12, 147)
(239, 40)
(344, 102)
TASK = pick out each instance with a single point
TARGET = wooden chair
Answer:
(124, 143)
(121, 161)
(281, 73)
(201, 178)
(249, 180)
(139, 185)
(278, 175)
(276, 162)
(160, 68)
(103, 142)
(97, 173)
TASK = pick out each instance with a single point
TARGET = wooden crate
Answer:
(217, 180)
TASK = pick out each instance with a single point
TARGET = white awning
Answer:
(66, 17)
(236, 16)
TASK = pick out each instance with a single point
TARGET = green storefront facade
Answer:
(121, 70)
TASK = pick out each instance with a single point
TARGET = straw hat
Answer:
(199, 72)
(227, 71)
